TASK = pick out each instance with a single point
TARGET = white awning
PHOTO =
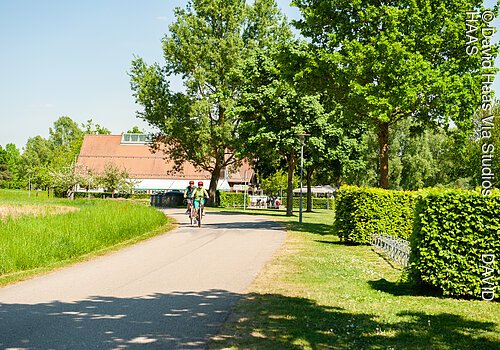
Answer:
(317, 189)
(161, 184)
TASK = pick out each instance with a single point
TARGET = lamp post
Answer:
(245, 192)
(302, 137)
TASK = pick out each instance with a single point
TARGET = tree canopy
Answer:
(389, 61)
(205, 44)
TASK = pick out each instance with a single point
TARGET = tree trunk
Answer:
(309, 173)
(212, 189)
(383, 141)
(289, 194)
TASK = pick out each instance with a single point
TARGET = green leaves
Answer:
(206, 45)
(388, 61)
(452, 230)
(361, 212)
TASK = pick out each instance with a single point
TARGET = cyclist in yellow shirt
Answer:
(200, 195)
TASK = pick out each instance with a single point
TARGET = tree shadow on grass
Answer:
(186, 320)
(271, 321)
(397, 288)
(315, 228)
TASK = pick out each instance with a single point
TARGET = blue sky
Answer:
(61, 57)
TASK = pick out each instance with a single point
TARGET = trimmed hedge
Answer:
(452, 230)
(361, 212)
(318, 203)
(231, 199)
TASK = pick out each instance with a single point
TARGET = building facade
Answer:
(150, 170)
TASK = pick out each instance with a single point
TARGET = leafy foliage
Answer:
(361, 212)
(206, 43)
(276, 183)
(232, 200)
(317, 203)
(389, 61)
(452, 230)
(114, 178)
(425, 159)
(5, 174)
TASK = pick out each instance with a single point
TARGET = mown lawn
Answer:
(318, 293)
(38, 234)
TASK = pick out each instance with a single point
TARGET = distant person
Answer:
(188, 194)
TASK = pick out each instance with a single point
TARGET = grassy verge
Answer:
(318, 293)
(40, 240)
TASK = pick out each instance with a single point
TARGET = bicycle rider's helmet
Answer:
(191, 182)
(200, 183)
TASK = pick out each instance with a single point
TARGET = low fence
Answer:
(397, 249)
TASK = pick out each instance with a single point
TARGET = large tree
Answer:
(333, 151)
(5, 174)
(12, 159)
(391, 60)
(206, 42)
(273, 113)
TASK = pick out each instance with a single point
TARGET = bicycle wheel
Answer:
(200, 212)
(191, 214)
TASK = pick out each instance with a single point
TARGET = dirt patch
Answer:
(15, 211)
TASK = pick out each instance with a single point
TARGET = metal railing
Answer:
(397, 249)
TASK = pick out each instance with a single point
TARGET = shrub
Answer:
(452, 230)
(318, 203)
(361, 212)
(231, 199)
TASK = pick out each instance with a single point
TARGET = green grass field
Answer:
(318, 293)
(38, 234)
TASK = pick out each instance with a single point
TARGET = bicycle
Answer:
(192, 215)
(191, 211)
(198, 213)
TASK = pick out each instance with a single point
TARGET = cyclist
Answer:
(199, 196)
(188, 194)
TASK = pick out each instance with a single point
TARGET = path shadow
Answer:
(247, 212)
(185, 320)
(272, 321)
(179, 320)
(260, 225)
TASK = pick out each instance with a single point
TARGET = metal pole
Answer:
(301, 171)
(245, 193)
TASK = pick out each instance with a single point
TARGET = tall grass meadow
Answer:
(36, 241)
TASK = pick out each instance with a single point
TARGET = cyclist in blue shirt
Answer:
(188, 194)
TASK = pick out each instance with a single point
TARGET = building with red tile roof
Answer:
(151, 170)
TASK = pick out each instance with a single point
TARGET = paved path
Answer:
(170, 292)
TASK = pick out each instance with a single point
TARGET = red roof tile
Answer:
(139, 161)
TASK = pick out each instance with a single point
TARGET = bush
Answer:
(361, 212)
(318, 203)
(231, 199)
(452, 230)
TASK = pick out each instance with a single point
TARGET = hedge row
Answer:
(318, 203)
(455, 238)
(361, 212)
(231, 199)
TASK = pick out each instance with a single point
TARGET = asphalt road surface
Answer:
(171, 292)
